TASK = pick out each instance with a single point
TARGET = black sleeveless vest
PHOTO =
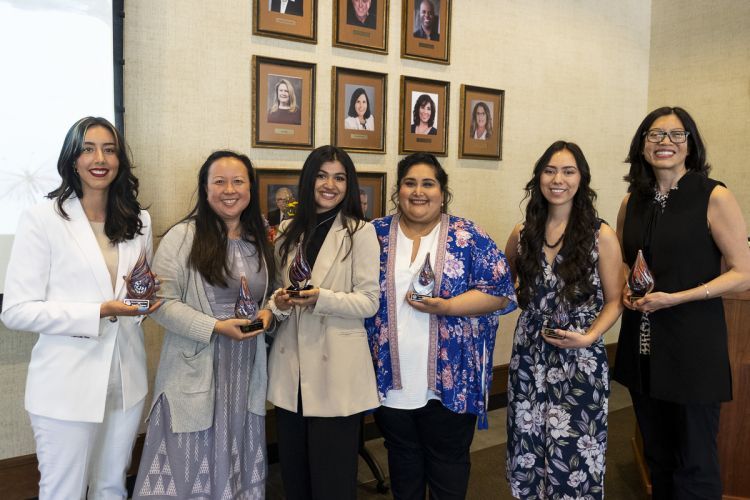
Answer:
(689, 361)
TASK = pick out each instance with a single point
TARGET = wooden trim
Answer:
(20, 476)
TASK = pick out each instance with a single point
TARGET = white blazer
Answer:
(56, 281)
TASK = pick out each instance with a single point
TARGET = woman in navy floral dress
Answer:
(568, 264)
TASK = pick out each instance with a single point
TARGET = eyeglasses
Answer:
(676, 136)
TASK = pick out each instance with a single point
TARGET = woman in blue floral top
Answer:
(433, 357)
(568, 264)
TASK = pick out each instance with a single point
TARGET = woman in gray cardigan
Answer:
(206, 431)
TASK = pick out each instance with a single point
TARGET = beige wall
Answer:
(570, 69)
(700, 60)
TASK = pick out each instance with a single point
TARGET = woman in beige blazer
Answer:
(320, 371)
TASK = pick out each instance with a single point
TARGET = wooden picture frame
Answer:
(416, 135)
(349, 89)
(292, 124)
(481, 135)
(270, 180)
(298, 23)
(367, 30)
(426, 37)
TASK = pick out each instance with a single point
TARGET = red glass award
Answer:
(640, 279)
(423, 283)
(140, 284)
(559, 320)
(299, 274)
(247, 308)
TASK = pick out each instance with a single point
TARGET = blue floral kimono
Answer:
(461, 347)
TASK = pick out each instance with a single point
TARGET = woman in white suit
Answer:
(87, 375)
(320, 373)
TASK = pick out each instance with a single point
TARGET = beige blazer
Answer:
(323, 349)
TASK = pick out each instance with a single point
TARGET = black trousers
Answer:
(318, 455)
(679, 442)
(427, 447)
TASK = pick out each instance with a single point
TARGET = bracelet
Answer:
(708, 293)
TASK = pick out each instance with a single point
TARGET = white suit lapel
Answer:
(82, 234)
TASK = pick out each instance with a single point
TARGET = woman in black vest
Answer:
(672, 352)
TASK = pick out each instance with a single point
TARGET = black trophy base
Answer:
(294, 291)
(418, 297)
(254, 326)
(143, 304)
(551, 333)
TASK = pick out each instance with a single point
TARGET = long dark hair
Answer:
(123, 220)
(421, 101)
(208, 254)
(440, 175)
(579, 232)
(641, 177)
(355, 95)
(302, 225)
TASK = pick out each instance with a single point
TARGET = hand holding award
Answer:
(140, 284)
(247, 308)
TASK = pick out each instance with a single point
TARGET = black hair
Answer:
(440, 174)
(578, 238)
(355, 95)
(123, 220)
(421, 101)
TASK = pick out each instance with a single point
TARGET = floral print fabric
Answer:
(557, 400)
(460, 370)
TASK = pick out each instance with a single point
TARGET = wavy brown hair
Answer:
(579, 233)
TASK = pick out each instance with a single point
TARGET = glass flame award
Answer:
(558, 320)
(640, 279)
(299, 274)
(247, 308)
(423, 283)
(140, 284)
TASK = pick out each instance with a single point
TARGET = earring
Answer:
(75, 169)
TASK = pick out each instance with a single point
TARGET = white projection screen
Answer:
(61, 60)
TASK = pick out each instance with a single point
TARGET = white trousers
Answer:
(74, 456)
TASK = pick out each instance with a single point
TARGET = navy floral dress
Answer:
(557, 398)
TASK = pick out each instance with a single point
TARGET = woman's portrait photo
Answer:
(359, 115)
(362, 13)
(424, 113)
(283, 103)
(481, 120)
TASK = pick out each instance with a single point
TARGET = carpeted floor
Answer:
(488, 468)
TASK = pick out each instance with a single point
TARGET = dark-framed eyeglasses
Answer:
(657, 135)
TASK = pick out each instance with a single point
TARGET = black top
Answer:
(324, 221)
(689, 361)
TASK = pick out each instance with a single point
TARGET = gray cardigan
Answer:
(186, 375)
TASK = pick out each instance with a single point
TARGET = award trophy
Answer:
(140, 284)
(423, 283)
(299, 274)
(247, 308)
(559, 320)
(640, 279)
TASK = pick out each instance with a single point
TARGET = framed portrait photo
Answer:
(358, 110)
(289, 19)
(284, 103)
(277, 189)
(481, 134)
(425, 31)
(361, 25)
(423, 124)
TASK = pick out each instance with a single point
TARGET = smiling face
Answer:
(427, 16)
(560, 178)
(330, 186)
(666, 154)
(481, 116)
(420, 196)
(361, 9)
(98, 163)
(360, 106)
(425, 111)
(282, 92)
(228, 189)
